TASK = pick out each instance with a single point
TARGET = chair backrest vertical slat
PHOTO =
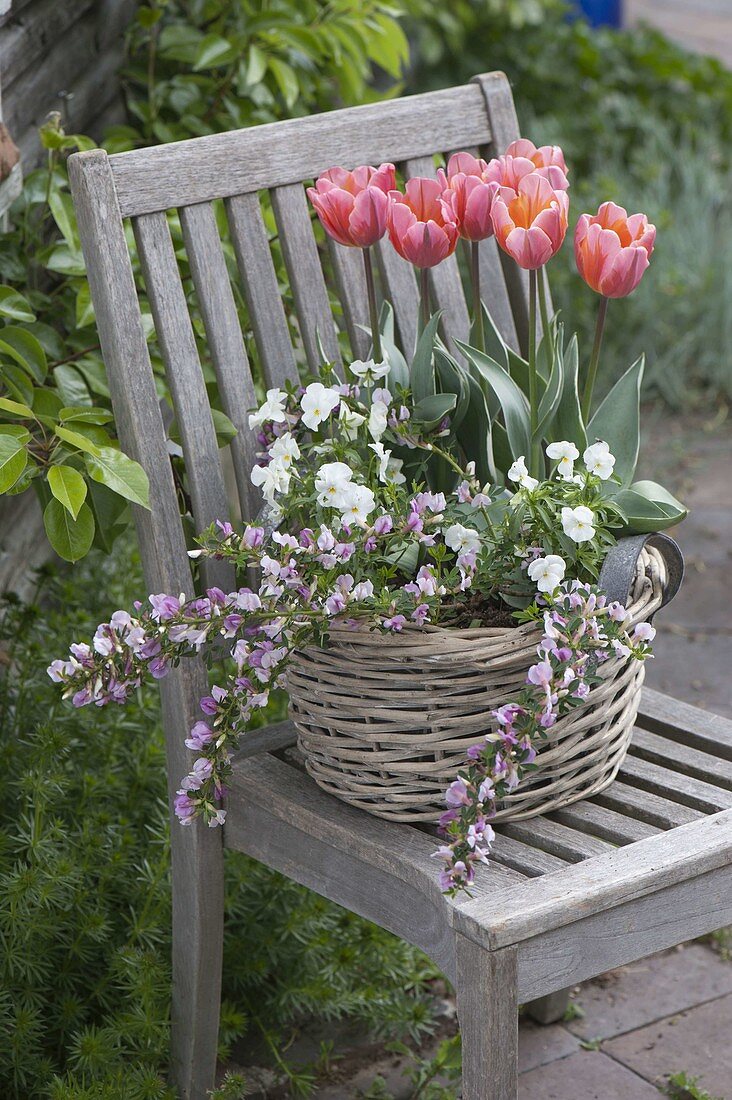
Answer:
(351, 285)
(400, 288)
(261, 290)
(445, 285)
(300, 253)
(218, 310)
(185, 377)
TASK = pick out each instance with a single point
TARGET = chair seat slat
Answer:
(701, 765)
(523, 858)
(603, 823)
(261, 290)
(645, 806)
(556, 839)
(185, 378)
(300, 253)
(679, 788)
(218, 310)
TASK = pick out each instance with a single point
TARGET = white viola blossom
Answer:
(599, 461)
(578, 523)
(383, 456)
(463, 540)
(394, 475)
(317, 403)
(548, 572)
(565, 454)
(377, 419)
(520, 474)
(356, 504)
(331, 482)
(272, 479)
(369, 371)
(273, 409)
(285, 450)
(350, 421)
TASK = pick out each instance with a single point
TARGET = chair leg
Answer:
(549, 1009)
(487, 1005)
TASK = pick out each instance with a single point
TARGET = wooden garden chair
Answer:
(606, 881)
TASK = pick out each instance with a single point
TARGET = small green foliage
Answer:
(683, 1087)
(574, 1011)
(591, 1044)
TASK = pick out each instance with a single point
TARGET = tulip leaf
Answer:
(453, 379)
(552, 395)
(70, 538)
(475, 435)
(649, 507)
(398, 368)
(119, 473)
(617, 421)
(422, 371)
(495, 345)
(68, 487)
(431, 410)
(567, 422)
(512, 401)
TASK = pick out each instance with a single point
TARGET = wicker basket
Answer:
(384, 721)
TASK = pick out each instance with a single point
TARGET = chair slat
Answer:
(701, 765)
(556, 839)
(645, 806)
(445, 285)
(241, 161)
(400, 288)
(524, 858)
(302, 261)
(351, 284)
(218, 310)
(606, 824)
(185, 378)
(679, 788)
(678, 721)
(261, 290)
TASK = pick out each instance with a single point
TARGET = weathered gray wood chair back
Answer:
(187, 177)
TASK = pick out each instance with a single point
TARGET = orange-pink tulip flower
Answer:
(464, 163)
(530, 223)
(422, 229)
(353, 206)
(613, 250)
(547, 159)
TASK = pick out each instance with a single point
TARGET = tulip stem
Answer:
(533, 396)
(545, 325)
(373, 311)
(594, 360)
(424, 286)
(477, 303)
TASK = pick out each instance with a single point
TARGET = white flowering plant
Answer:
(466, 487)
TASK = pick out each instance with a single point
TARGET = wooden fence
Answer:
(55, 55)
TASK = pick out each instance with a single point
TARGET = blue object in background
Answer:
(602, 13)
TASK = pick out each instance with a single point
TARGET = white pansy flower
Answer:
(285, 449)
(273, 409)
(383, 457)
(394, 475)
(599, 461)
(377, 419)
(272, 479)
(548, 572)
(357, 503)
(331, 481)
(461, 539)
(350, 420)
(369, 371)
(520, 474)
(565, 455)
(578, 523)
(317, 403)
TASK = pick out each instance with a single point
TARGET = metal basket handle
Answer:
(618, 570)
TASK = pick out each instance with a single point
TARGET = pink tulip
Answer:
(469, 202)
(530, 223)
(464, 163)
(547, 159)
(422, 229)
(613, 250)
(353, 206)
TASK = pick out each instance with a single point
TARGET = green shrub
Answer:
(85, 892)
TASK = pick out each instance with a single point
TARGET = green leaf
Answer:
(552, 395)
(512, 401)
(14, 305)
(495, 345)
(90, 415)
(212, 52)
(15, 407)
(13, 460)
(71, 385)
(80, 442)
(649, 507)
(475, 434)
(431, 410)
(17, 382)
(422, 372)
(286, 80)
(66, 261)
(84, 306)
(120, 473)
(568, 423)
(399, 370)
(70, 538)
(62, 209)
(68, 487)
(257, 65)
(453, 379)
(225, 430)
(617, 421)
(111, 515)
(17, 431)
(25, 349)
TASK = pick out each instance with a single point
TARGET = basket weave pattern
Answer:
(384, 721)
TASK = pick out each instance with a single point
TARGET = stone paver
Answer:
(649, 990)
(539, 1045)
(697, 1042)
(589, 1075)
